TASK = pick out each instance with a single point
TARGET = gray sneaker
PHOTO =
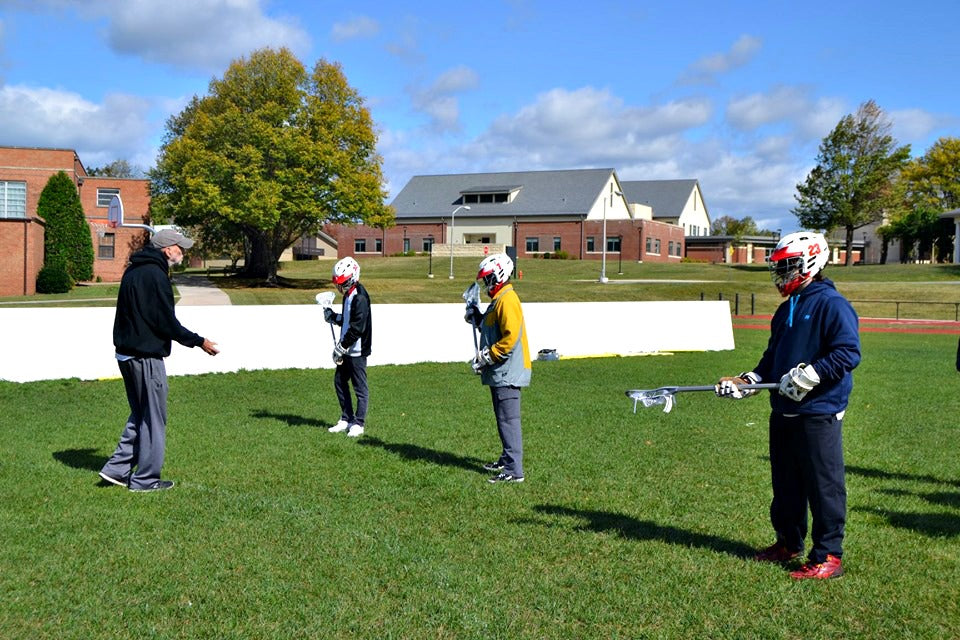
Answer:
(159, 485)
(494, 466)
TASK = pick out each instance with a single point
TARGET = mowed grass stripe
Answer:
(630, 525)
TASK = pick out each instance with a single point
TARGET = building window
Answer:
(360, 245)
(649, 245)
(105, 248)
(427, 244)
(591, 244)
(670, 248)
(533, 244)
(378, 245)
(679, 248)
(406, 245)
(104, 196)
(13, 199)
(556, 243)
(613, 244)
(656, 246)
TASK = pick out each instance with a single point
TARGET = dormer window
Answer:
(489, 195)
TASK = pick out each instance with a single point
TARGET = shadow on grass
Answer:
(418, 453)
(880, 474)
(633, 529)
(240, 282)
(81, 459)
(290, 418)
(934, 525)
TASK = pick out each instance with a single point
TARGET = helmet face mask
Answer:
(495, 271)
(346, 273)
(797, 258)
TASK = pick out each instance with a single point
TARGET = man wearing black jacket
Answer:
(351, 351)
(144, 325)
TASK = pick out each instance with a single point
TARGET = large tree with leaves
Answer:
(933, 179)
(67, 240)
(274, 152)
(851, 185)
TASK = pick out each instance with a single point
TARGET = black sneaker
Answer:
(120, 482)
(505, 477)
(159, 485)
(494, 466)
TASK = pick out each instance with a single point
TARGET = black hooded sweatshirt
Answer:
(145, 322)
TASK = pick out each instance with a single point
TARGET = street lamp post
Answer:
(603, 255)
(430, 268)
(620, 255)
(452, 222)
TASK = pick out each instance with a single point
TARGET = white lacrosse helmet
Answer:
(346, 273)
(797, 258)
(495, 270)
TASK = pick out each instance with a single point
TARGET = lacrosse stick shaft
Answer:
(712, 387)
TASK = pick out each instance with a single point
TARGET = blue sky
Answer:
(736, 94)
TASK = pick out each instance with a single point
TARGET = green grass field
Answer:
(629, 525)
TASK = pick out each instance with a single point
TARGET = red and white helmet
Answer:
(495, 271)
(346, 273)
(797, 258)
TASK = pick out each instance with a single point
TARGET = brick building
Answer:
(537, 213)
(24, 172)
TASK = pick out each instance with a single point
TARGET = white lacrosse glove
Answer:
(798, 382)
(482, 359)
(730, 387)
(338, 352)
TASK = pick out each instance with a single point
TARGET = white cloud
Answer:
(705, 69)
(193, 34)
(439, 100)
(587, 126)
(100, 133)
(789, 105)
(917, 126)
(358, 27)
(204, 34)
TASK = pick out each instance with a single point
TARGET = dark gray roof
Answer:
(666, 197)
(565, 192)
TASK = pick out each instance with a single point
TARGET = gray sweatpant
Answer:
(143, 440)
(506, 406)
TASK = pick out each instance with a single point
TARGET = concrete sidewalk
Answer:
(198, 291)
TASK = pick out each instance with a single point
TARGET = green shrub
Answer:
(53, 278)
(67, 237)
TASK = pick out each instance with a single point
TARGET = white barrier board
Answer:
(47, 344)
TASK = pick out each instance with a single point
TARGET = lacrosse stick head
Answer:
(325, 298)
(652, 397)
(472, 295)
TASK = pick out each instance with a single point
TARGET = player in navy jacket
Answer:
(814, 347)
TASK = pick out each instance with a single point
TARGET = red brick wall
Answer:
(21, 256)
(135, 195)
(572, 233)
(391, 239)
(37, 166)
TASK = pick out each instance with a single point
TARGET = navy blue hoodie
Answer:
(145, 322)
(816, 326)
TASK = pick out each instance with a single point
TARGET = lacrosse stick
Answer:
(325, 300)
(472, 297)
(665, 395)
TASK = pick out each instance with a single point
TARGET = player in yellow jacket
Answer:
(502, 361)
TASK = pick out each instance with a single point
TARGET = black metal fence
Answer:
(750, 302)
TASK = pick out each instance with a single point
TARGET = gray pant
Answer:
(143, 440)
(506, 406)
(353, 370)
